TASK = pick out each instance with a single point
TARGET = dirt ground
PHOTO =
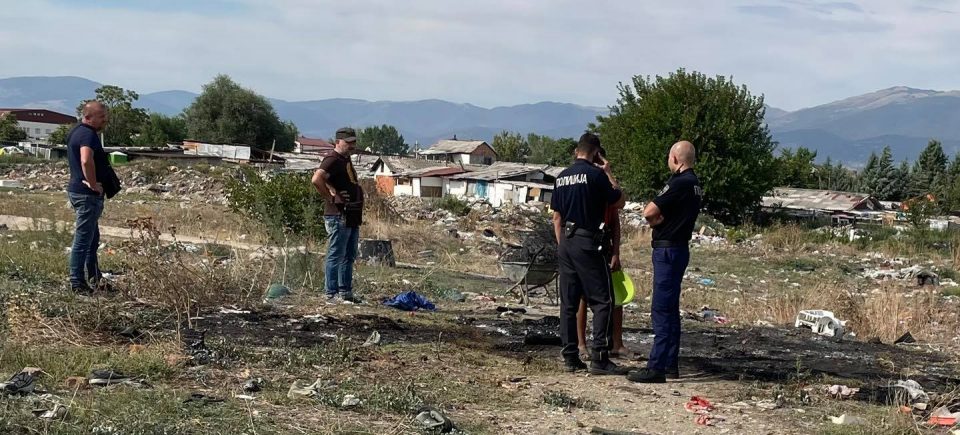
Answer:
(488, 371)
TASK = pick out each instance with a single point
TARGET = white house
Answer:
(464, 152)
(38, 123)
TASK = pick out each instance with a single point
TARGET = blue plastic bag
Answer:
(410, 301)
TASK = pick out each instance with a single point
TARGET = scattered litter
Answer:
(842, 391)
(707, 281)
(253, 385)
(22, 382)
(297, 389)
(943, 417)
(373, 340)
(847, 420)
(245, 397)
(431, 419)
(58, 412)
(711, 315)
(349, 401)
(410, 301)
(75, 382)
(202, 399)
(195, 348)
(234, 310)
(277, 291)
(106, 378)
(130, 333)
(907, 338)
(697, 404)
(763, 324)
(820, 322)
(708, 420)
(912, 389)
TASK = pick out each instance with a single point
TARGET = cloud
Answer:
(495, 52)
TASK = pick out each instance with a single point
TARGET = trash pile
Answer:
(184, 184)
(538, 246)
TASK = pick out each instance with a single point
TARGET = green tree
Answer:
(511, 147)
(836, 177)
(735, 160)
(546, 150)
(9, 130)
(383, 139)
(126, 121)
(59, 136)
(929, 171)
(161, 129)
(901, 182)
(797, 168)
(225, 112)
(880, 177)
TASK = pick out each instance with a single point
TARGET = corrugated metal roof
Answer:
(827, 200)
(499, 170)
(454, 147)
(403, 165)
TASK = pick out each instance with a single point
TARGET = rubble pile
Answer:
(184, 184)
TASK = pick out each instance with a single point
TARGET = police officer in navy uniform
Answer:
(672, 215)
(581, 196)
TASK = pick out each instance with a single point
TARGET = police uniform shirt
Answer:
(679, 203)
(582, 193)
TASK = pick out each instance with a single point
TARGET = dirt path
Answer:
(19, 223)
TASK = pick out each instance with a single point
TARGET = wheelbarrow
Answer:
(530, 275)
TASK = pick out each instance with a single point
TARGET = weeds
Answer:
(453, 204)
(563, 400)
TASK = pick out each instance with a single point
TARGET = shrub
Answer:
(454, 205)
(287, 204)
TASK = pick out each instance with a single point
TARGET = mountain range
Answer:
(847, 130)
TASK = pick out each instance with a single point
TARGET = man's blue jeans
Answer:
(86, 239)
(669, 265)
(341, 252)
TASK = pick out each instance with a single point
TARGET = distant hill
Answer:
(847, 130)
(423, 121)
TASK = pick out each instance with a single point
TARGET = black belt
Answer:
(669, 244)
(585, 233)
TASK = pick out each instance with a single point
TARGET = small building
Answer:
(392, 171)
(39, 123)
(504, 182)
(306, 145)
(465, 152)
(839, 207)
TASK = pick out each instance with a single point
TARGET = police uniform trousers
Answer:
(584, 274)
(669, 265)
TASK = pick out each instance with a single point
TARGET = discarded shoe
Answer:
(647, 376)
(21, 382)
(574, 365)
(431, 419)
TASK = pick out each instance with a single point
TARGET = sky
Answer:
(797, 53)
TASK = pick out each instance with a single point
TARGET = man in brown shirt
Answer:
(336, 180)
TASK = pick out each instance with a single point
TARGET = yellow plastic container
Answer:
(622, 288)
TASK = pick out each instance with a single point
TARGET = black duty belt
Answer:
(585, 233)
(669, 244)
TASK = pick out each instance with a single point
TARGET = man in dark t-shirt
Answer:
(88, 166)
(672, 215)
(336, 180)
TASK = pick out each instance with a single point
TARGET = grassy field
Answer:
(467, 359)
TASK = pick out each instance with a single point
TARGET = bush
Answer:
(287, 204)
(454, 205)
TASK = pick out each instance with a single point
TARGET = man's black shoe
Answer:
(81, 290)
(647, 376)
(607, 367)
(574, 365)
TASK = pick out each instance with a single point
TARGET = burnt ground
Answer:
(709, 352)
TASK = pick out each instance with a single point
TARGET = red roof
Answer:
(309, 145)
(40, 115)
